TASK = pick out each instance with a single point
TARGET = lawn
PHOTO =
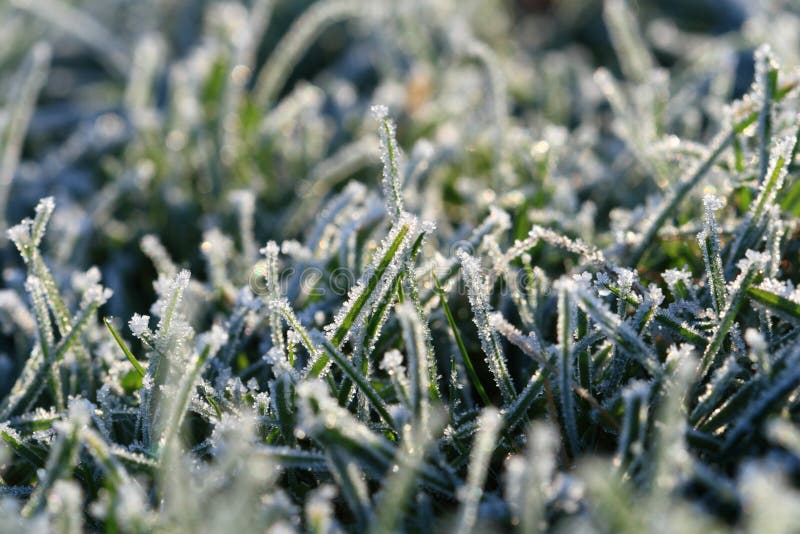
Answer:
(375, 266)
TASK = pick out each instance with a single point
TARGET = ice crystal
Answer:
(139, 324)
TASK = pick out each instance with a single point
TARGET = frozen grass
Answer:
(505, 285)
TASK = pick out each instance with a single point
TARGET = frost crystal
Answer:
(379, 111)
(753, 260)
(392, 360)
(139, 324)
(214, 339)
(712, 203)
(674, 276)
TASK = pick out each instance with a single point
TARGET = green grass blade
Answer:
(473, 376)
(124, 347)
(775, 303)
(343, 329)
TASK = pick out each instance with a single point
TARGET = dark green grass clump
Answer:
(377, 266)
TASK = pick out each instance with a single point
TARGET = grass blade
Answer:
(125, 350)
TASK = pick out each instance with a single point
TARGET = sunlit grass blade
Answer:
(754, 224)
(387, 261)
(710, 246)
(775, 303)
(751, 269)
(125, 350)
